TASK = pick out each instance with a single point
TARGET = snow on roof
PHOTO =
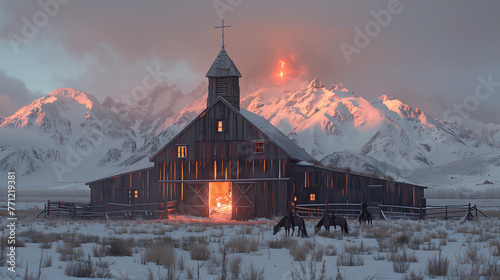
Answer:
(276, 136)
(223, 66)
(129, 169)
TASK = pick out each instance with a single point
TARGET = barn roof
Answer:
(223, 66)
(275, 135)
(141, 166)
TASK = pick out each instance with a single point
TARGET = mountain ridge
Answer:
(383, 137)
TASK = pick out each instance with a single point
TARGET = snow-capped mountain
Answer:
(69, 136)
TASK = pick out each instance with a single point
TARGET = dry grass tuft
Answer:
(300, 252)
(437, 265)
(199, 252)
(160, 254)
(242, 244)
(253, 273)
(235, 266)
(347, 259)
(284, 242)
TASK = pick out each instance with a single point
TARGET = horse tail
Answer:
(304, 228)
(346, 228)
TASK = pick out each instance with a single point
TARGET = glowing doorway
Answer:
(220, 201)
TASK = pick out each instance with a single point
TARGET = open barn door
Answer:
(243, 200)
(198, 197)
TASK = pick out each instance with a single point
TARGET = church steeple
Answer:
(223, 77)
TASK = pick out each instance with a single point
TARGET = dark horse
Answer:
(341, 222)
(326, 221)
(286, 223)
(365, 216)
(332, 220)
(291, 221)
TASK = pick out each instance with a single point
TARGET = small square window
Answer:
(258, 146)
(312, 197)
(181, 151)
(220, 126)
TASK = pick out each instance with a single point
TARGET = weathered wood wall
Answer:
(115, 189)
(337, 186)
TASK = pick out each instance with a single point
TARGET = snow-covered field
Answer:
(192, 248)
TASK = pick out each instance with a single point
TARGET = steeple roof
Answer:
(223, 66)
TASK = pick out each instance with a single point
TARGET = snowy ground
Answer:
(367, 253)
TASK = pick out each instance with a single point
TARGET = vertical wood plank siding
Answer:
(230, 155)
(337, 186)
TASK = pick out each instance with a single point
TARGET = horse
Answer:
(365, 216)
(285, 222)
(341, 222)
(299, 221)
(326, 221)
(290, 222)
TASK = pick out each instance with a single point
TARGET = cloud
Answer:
(13, 95)
(7, 106)
(430, 48)
(11, 137)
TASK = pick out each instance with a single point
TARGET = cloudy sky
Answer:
(435, 55)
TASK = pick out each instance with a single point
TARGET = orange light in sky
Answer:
(282, 74)
(286, 69)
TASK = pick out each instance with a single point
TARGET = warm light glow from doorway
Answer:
(220, 201)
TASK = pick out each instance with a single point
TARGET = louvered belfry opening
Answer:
(224, 80)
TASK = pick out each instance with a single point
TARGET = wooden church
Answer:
(230, 155)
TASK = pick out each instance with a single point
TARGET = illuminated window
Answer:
(181, 151)
(258, 146)
(133, 195)
(220, 126)
(313, 197)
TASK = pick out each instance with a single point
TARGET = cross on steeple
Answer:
(222, 27)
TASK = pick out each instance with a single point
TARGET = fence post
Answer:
(133, 209)
(420, 213)
(469, 212)
(446, 212)
(166, 209)
(48, 208)
(106, 211)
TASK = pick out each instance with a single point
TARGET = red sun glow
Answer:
(287, 69)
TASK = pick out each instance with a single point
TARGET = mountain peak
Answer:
(78, 95)
(315, 83)
(387, 98)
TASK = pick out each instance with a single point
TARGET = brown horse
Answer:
(285, 222)
(365, 216)
(341, 222)
(326, 221)
(299, 222)
(290, 222)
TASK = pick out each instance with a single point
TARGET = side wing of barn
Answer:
(117, 187)
(314, 184)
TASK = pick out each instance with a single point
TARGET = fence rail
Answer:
(467, 212)
(110, 210)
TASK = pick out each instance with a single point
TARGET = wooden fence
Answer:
(352, 210)
(146, 211)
